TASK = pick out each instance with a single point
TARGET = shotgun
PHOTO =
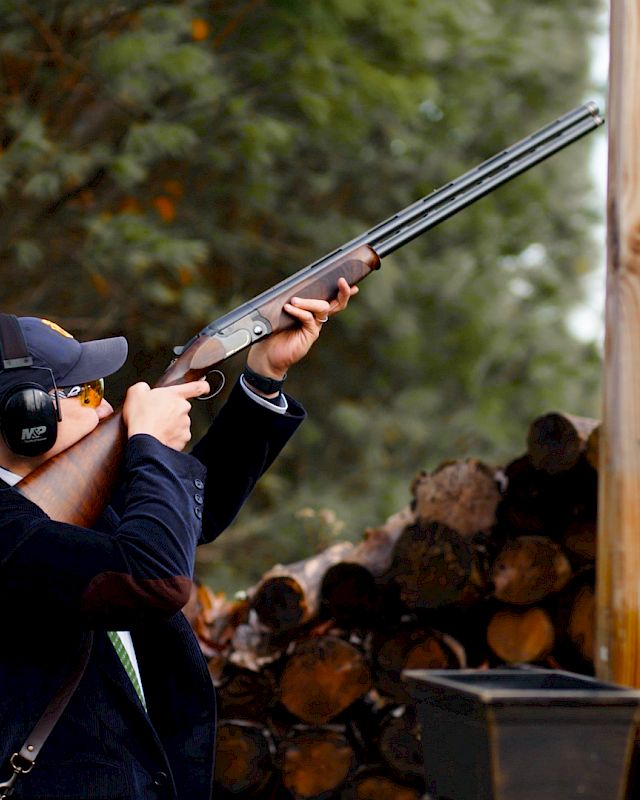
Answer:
(75, 485)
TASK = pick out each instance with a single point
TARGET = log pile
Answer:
(486, 566)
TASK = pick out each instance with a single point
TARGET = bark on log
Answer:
(351, 589)
(414, 647)
(322, 678)
(528, 568)
(521, 636)
(434, 566)
(556, 441)
(288, 596)
(244, 757)
(315, 763)
(463, 495)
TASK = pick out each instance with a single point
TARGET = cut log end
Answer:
(521, 636)
(556, 441)
(243, 757)
(528, 568)
(433, 566)
(323, 677)
(280, 603)
(315, 763)
(463, 495)
(349, 592)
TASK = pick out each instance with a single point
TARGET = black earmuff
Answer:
(29, 415)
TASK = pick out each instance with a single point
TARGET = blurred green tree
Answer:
(164, 161)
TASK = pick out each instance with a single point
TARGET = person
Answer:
(141, 722)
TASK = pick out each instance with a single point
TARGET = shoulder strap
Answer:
(24, 760)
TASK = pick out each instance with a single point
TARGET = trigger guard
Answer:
(223, 380)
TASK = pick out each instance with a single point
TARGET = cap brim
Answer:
(98, 359)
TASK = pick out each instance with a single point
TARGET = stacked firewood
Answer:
(486, 566)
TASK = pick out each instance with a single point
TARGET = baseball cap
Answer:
(71, 362)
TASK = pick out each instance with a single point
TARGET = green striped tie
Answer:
(126, 663)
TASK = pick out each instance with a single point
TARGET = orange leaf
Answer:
(165, 207)
(199, 29)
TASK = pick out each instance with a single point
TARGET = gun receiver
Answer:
(75, 485)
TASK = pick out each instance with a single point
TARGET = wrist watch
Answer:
(261, 382)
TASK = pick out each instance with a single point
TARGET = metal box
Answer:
(524, 734)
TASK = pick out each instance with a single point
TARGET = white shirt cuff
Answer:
(280, 406)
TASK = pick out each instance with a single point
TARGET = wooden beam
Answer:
(618, 590)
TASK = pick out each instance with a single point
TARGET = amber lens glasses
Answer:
(90, 394)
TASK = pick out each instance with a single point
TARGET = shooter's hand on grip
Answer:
(162, 412)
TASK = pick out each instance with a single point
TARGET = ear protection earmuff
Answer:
(29, 415)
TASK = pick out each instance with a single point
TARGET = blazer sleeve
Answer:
(241, 444)
(112, 579)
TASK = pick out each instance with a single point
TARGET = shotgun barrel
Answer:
(425, 213)
(527, 152)
(474, 190)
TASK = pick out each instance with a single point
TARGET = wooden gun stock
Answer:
(75, 485)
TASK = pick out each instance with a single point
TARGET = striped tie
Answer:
(126, 663)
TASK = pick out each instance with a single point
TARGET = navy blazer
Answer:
(132, 572)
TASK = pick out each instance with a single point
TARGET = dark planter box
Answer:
(524, 734)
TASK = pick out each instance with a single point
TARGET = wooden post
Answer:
(618, 590)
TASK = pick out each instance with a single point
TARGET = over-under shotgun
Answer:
(75, 485)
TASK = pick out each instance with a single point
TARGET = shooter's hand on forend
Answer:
(274, 355)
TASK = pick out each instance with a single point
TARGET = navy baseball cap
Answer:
(71, 362)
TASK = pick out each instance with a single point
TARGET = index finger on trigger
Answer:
(193, 388)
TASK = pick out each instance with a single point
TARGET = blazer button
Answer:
(198, 499)
(198, 483)
(160, 779)
(198, 512)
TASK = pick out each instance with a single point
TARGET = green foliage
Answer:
(162, 162)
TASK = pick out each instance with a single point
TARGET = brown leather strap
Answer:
(52, 713)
